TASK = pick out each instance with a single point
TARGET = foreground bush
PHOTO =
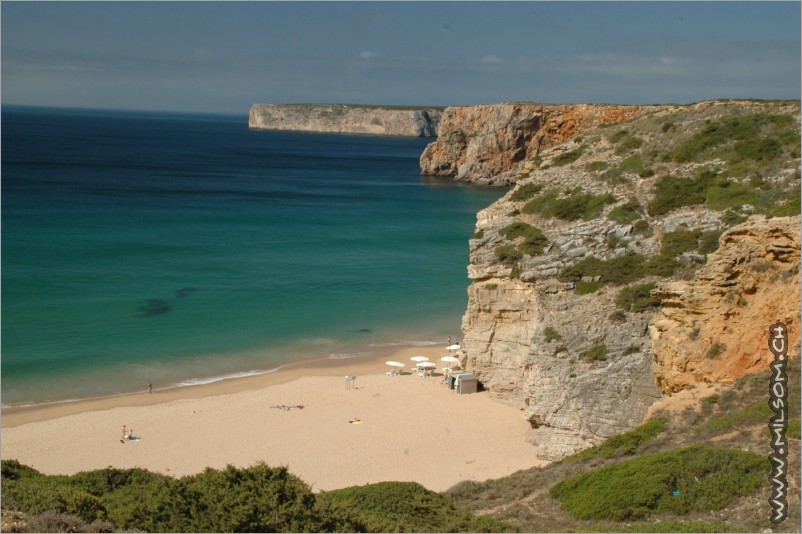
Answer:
(253, 499)
(405, 507)
(622, 445)
(678, 481)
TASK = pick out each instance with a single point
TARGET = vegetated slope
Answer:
(570, 268)
(254, 499)
(698, 468)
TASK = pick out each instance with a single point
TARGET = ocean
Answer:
(182, 249)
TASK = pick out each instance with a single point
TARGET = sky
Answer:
(222, 57)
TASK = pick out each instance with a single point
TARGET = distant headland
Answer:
(346, 118)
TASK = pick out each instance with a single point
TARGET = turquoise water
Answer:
(179, 249)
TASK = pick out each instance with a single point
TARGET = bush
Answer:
(671, 193)
(595, 166)
(566, 157)
(753, 414)
(715, 350)
(627, 212)
(597, 352)
(550, 334)
(577, 205)
(586, 288)
(37, 495)
(508, 255)
(637, 298)
(627, 144)
(678, 482)
(534, 241)
(621, 270)
(405, 507)
(625, 444)
(525, 191)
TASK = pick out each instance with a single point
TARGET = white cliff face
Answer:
(337, 118)
(569, 401)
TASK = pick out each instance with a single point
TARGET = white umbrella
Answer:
(453, 347)
(450, 359)
(427, 365)
(419, 359)
(395, 364)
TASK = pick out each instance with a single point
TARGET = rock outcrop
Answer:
(341, 118)
(482, 144)
(714, 328)
(584, 352)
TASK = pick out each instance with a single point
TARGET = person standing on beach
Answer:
(150, 387)
(123, 436)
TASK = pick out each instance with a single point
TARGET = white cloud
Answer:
(367, 54)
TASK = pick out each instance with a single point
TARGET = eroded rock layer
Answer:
(714, 328)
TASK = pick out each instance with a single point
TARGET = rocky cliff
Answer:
(340, 118)
(595, 287)
(482, 143)
(714, 328)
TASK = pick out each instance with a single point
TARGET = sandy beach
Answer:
(412, 428)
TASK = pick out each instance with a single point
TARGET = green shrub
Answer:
(789, 208)
(586, 288)
(13, 470)
(405, 507)
(625, 444)
(614, 176)
(534, 241)
(715, 350)
(671, 193)
(627, 212)
(678, 481)
(745, 136)
(596, 352)
(621, 270)
(479, 234)
(595, 166)
(618, 316)
(642, 227)
(618, 136)
(637, 299)
(631, 164)
(576, 205)
(628, 144)
(753, 414)
(40, 494)
(550, 334)
(508, 255)
(566, 157)
(525, 192)
(632, 349)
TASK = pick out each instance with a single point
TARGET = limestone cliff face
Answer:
(525, 337)
(714, 328)
(563, 348)
(481, 143)
(340, 118)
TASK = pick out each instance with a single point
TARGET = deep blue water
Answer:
(181, 248)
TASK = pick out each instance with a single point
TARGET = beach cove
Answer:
(412, 428)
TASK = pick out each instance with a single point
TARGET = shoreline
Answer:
(12, 416)
(414, 428)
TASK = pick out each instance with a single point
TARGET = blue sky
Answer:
(224, 56)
